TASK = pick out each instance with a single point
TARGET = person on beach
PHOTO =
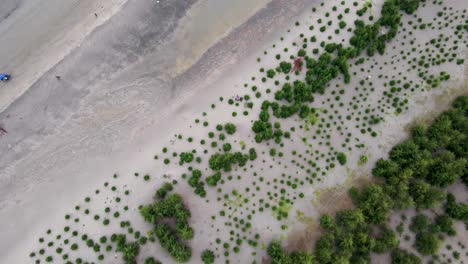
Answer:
(4, 76)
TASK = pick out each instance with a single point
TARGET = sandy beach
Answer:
(136, 75)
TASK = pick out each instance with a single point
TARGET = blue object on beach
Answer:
(4, 76)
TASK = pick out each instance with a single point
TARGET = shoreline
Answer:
(31, 49)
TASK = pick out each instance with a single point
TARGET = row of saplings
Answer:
(415, 175)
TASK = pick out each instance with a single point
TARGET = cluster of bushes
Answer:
(430, 160)
(198, 185)
(329, 65)
(341, 157)
(168, 239)
(170, 206)
(280, 256)
(414, 176)
(285, 67)
(409, 6)
(368, 37)
(296, 93)
(230, 128)
(152, 260)
(351, 239)
(213, 179)
(400, 256)
(427, 234)
(163, 190)
(263, 128)
(130, 250)
(225, 161)
(208, 257)
(185, 157)
(456, 210)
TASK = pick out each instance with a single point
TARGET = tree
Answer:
(350, 219)
(385, 241)
(213, 179)
(373, 202)
(441, 130)
(341, 157)
(264, 116)
(225, 161)
(324, 249)
(300, 257)
(207, 256)
(163, 190)
(427, 243)
(152, 260)
(385, 169)
(363, 244)
(252, 154)
(390, 17)
(400, 256)
(326, 221)
(424, 195)
(461, 103)
(184, 230)
(168, 241)
(445, 169)
(270, 73)
(405, 154)
(409, 6)
(397, 187)
(456, 210)
(170, 206)
(230, 128)
(277, 254)
(129, 250)
(301, 53)
(285, 67)
(227, 147)
(185, 157)
(445, 224)
(419, 223)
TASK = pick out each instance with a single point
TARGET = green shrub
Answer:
(341, 157)
(207, 256)
(230, 128)
(427, 243)
(419, 223)
(152, 260)
(400, 256)
(169, 242)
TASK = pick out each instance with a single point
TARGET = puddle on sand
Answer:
(207, 22)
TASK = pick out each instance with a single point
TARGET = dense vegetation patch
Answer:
(354, 234)
(170, 206)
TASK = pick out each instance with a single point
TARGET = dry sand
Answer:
(36, 35)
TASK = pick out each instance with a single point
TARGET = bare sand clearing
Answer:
(67, 138)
